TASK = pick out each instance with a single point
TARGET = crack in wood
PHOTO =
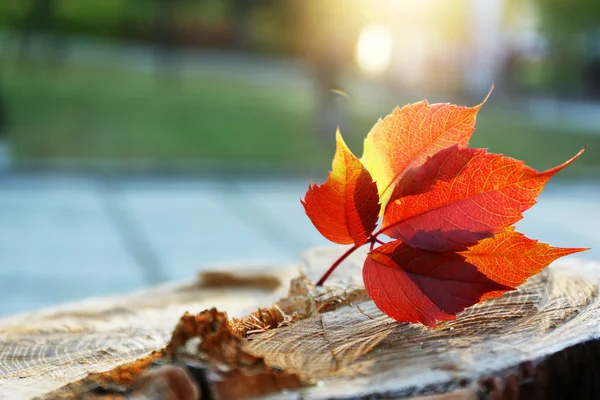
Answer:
(336, 361)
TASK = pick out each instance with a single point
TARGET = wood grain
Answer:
(538, 342)
(42, 351)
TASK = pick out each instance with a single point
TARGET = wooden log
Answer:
(42, 351)
(535, 343)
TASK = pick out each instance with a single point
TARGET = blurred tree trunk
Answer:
(3, 112)
(41, 20)
(328, 35)
(166, 60)
(328, 62)
(241, 23)
(5, 153)
(331, 113)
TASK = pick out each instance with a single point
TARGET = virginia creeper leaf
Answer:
(414, 285)
(449, 207)
(510, 257)
(405, 138)
(345, 208)
(460, 196)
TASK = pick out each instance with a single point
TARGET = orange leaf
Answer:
(405, 138)
(413, 285)
(510, 257)
(451, 209)
(345, 208)
(460, 196)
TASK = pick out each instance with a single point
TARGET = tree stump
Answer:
(538, 342)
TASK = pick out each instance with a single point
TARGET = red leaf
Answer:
(510, 257)
(450, 207)
(345, 208)
(405, 138)
(413, 285)
(460, 196)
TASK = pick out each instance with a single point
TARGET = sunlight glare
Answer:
(374, 49)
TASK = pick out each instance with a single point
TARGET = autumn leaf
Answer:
(460, 196)
(449, 209)
(345, 208)
(510, 257)
(415, 285)
(405, 138)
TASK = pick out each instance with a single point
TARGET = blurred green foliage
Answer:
(77, 111)
(82, 112)
(572, 28)
(569, 16)
(210, 23)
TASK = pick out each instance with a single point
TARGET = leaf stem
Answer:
(335, 265)
(379, 232)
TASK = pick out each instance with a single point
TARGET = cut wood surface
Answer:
(43, 351)
(538, 342)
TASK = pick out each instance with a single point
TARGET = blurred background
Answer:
(144, 140)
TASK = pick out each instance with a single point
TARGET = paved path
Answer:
(64, 238)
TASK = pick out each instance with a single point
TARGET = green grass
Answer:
(77, 112)
(117, 114)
